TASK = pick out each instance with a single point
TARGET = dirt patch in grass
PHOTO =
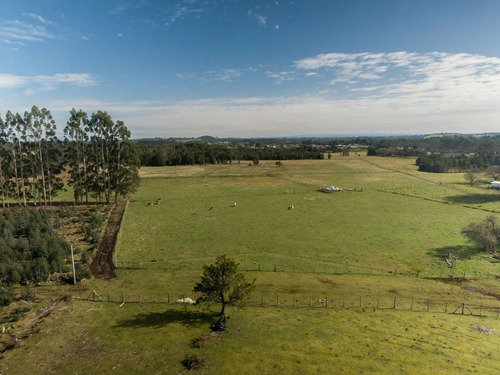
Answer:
(199, 342)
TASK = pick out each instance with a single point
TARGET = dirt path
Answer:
(102, 265)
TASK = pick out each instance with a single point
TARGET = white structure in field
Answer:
(495, 185)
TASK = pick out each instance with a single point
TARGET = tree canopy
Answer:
(97, 153)
(222, 283)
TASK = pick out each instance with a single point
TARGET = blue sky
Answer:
(257, 68)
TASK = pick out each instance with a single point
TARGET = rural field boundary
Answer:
(287, 300)
(450, 274)
(398, 191)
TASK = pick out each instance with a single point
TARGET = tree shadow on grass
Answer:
(460, 251)
(473, 198)
(159, 319)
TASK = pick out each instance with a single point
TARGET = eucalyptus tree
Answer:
(100, 126)
(124, 160)
(19, 140)
(115, 163)
(4, 161)
(33, 124)
(76, 153)
(52, 156)
(12, 137)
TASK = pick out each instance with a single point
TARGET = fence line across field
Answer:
(330, 268)
(366, 303)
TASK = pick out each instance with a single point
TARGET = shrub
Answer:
(6, 296)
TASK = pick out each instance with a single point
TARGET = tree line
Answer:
(96, 152)
(198, 153)
(439, 163)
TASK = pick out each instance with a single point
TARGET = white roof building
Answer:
(495, 184)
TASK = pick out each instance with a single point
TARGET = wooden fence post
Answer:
(277, 299)
(394, 306)
(326, 301)
(411, 307)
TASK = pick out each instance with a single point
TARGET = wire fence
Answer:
(287, 300)
(448, 274)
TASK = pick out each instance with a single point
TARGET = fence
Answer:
(447, 274)
(286, 300)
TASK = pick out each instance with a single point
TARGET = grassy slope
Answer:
(373, 228)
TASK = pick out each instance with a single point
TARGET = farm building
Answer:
(495, 185)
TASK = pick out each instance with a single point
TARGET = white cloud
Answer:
(281, 77)
(261, 20)
(21, 31)
(37, 17)
(8, 81)
(287, 116)
(458, 80)
(45, 82)
(226, 75)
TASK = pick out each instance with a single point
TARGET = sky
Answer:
(235, 68)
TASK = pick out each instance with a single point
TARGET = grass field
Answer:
(327, 275)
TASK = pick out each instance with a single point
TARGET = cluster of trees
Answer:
(439, 163)
(30, 249)
(102, 161)
(198, 153)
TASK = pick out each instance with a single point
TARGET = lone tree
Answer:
(472, 177)
(484, 233)
(222, 283)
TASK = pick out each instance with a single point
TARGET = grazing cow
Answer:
(291, 207)
(211, 208)
(150, 203)
(158, 201)
(234, 204)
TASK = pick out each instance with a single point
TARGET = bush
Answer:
(6, 296)
(82, 272)
(28, 294)
(193, 362)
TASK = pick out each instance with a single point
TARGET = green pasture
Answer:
(103, 338)
(350, 282)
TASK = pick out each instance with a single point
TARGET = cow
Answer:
(234, 204)
(291, 207)
(211, 208)
(150, 203)
(158, 201)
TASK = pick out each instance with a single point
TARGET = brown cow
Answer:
(158, 201)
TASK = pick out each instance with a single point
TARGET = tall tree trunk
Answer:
(21, 165)
(44, 190)
(16, 178)
(49, 176)
(2, 182)
(118, 166)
